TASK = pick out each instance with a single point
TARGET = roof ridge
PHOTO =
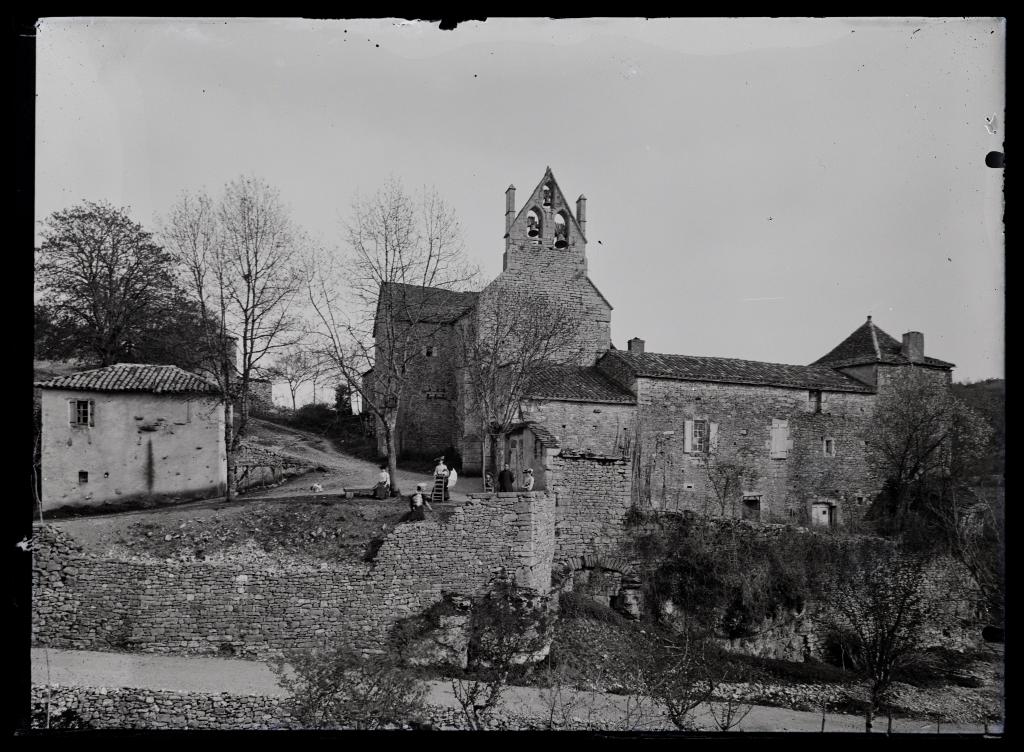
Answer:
(874, 338)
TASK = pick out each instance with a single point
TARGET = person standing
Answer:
(441, 476)
(506, 480)
(528, 479)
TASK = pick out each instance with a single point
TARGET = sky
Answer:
(755, 187)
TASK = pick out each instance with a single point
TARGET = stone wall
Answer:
(104, 708)
(247, 609)
(592, 497)
(139, 445)
(129, 708)
(585, 427)
(744, 415)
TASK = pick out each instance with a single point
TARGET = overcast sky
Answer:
(755, 187)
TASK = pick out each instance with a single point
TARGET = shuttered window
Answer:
(780, 443)
(81, 412)
(700, 437)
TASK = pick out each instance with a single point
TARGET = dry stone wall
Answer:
(592, 497)
(247, 609)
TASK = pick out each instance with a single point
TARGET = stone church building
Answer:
(724, 436)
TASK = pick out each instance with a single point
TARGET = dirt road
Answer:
(214, 675)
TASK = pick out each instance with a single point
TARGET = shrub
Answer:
(338, 688)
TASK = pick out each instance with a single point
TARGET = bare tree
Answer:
(681, 678)
(240, 254)
(376, 305)
(295, 366)
(726, 479)
(880, 613)
(508, 341)
(338, 688)
(509, 628)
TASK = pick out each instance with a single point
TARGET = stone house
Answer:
(130, 431)
(733, 437)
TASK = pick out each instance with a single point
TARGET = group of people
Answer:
(420, 501)
(507, 480)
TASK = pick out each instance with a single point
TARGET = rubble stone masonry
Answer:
(84, 601)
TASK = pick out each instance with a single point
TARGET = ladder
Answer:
(437, 494)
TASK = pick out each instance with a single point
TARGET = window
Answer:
(81, 412)
(83, 476)
(752, 507)
(430, 351)
(700, 437)
(829, 447)
(814, 399)
(780, 443)
(436, 394)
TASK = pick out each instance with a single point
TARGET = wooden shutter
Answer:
(92, 412)
(688, 436)
(780, 439)
(712, 437)
(71, 411)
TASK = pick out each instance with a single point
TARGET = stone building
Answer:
(129, 431)
(723, 436)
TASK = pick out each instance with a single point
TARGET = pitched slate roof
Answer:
(576, 384)
(433, 305)
(732, 371)
(133, 377)
(869, 344)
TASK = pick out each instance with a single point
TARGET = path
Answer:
(213, 675)
(341, 470)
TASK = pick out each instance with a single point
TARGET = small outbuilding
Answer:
(131, 431)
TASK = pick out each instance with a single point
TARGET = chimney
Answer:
(581, 213)
(636, 345)
(510, 207)
(913, 347)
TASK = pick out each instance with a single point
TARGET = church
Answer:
(763, 441)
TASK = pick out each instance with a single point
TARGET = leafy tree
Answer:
(924, 439)
(103, 279)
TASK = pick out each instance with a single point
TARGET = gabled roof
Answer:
(549, 177)
(732, 371)
(869, 344)
(570, 383)
(432, 305)
(133, 377)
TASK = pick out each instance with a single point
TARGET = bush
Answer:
(338, 688)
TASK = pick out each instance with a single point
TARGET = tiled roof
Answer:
(869, 344)
(432, 305)
(133, 377)
(576, 384)
(732, 371)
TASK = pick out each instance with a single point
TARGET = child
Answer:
(416, 503)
